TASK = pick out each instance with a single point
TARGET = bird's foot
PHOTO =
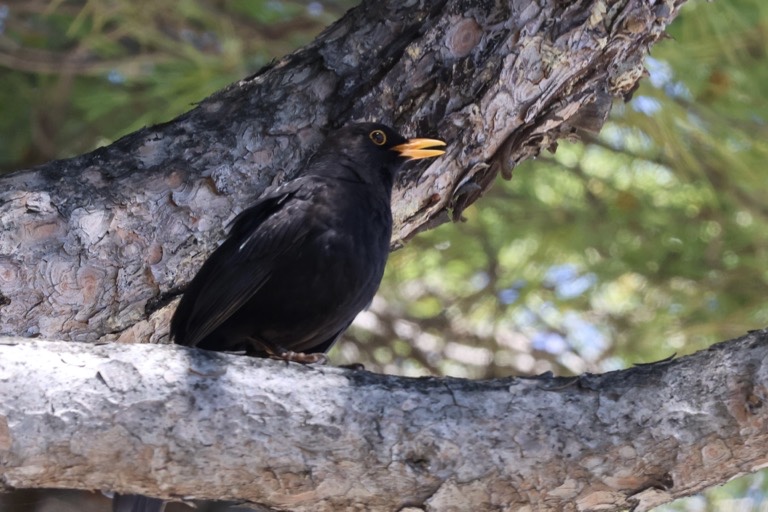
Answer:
(274, 351)
(300, 357)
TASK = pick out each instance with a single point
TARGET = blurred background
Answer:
(644, 241)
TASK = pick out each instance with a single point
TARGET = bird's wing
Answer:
(260, 236)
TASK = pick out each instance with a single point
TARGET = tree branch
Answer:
(180, 423)
(96, 247)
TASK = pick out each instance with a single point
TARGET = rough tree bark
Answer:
(190, 424)
(97, 248)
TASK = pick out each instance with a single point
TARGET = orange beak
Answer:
(414, 149)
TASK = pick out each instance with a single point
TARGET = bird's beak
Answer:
(415, 149)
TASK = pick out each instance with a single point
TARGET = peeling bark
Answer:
(97, 247)
(181, 423)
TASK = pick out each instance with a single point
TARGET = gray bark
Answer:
(180, 423)
(97, 248)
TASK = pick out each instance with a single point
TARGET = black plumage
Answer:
(301, 263)
(136, 503)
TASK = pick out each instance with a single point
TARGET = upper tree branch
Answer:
(95, 247)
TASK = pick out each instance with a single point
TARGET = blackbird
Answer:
(302, 262)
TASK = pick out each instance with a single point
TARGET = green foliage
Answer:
(77, 74)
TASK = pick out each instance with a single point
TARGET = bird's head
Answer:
(371, 150)
(384, 138)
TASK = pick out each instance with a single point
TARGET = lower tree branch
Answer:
(179, 423)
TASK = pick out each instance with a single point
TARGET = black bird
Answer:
(301, 263)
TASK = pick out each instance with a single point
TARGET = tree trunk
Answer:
(95, 248)
(182, 423)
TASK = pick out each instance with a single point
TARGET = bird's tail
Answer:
(136, 503)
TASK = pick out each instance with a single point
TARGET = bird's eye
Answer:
(378, 137)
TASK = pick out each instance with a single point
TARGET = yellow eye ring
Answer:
(378, 137)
